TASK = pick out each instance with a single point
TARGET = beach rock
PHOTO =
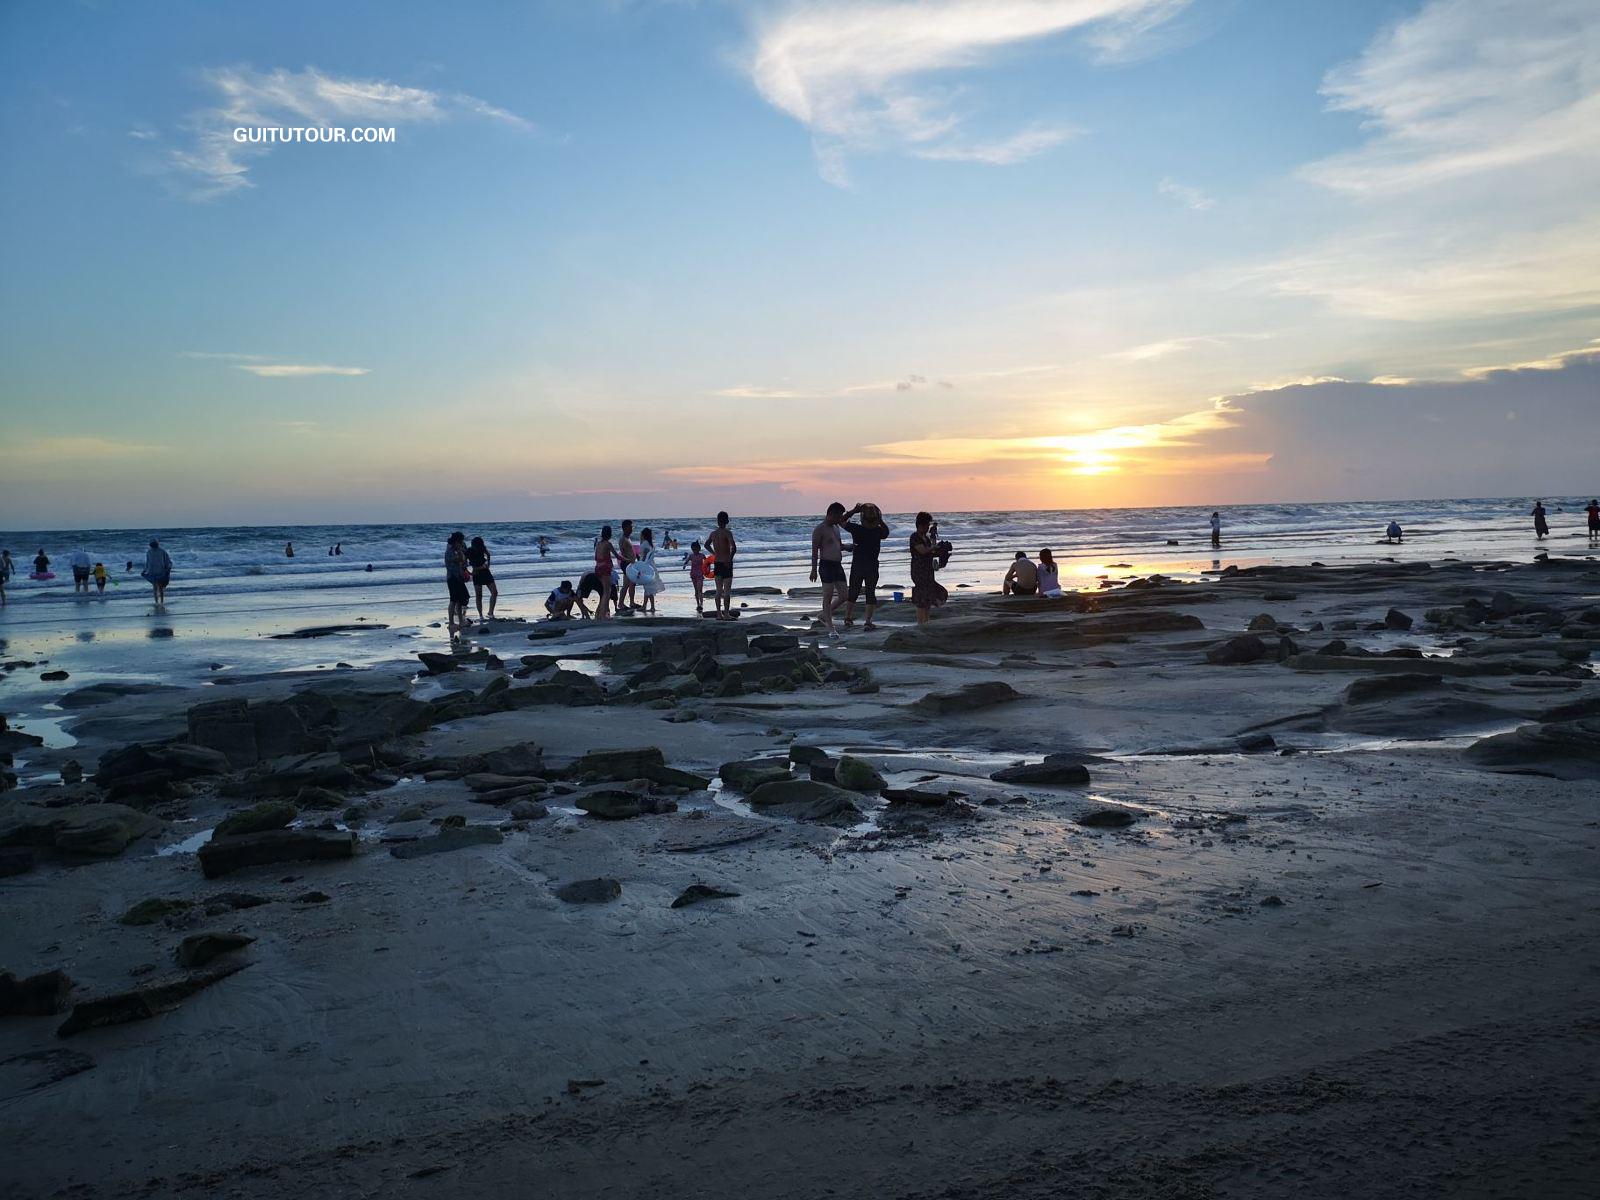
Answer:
(826, 771)
(589, 891)
(971, 697)
(1246, 648)
(1568, 750)
(53, 676)
(17, 860)
(1385, 687)
(621, 804)
(438, 664)
(319, 799)
(527, 810)
(1336, 648)
(71, 772)
(732, 684)
(221, 856)
(1055, 769)
(322, 631)
(1106, 818)
(198, 949)
(863, 687)
(97, 830)
(141, 1003)
(858, 775)
(148, 912)
(920, 797)
(1395, 619)
(225, 902)
(104, 693)
(807, 800)
(286, 776)
(624, 765)
(146, 773)
(774, 643)
(1504, 604)
(271, 814)
(807, 756)
(36, 996)
(695, 893)
(748, 776)
(1264, 623)
(457, 837)
(523, 759)
(570, 689)
(700, 831)
(491, 782)
(1286, 649)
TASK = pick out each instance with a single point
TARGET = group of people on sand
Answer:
(626, 578)
(1541, 520)
(85, 571)
(466, 563)
(928, 556)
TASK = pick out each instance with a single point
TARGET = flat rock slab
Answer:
(220, 856)
(695, 893)
(322, 631)
(141, 1003)
(972, 697)
(446, 840)
(1056, 769)
(589, 891)
(198, 949)
(105, 693)
(712, 833)
(23, 1073)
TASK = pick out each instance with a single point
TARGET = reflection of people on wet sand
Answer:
(1393, 534)
(1023, 577)
(1541, 526)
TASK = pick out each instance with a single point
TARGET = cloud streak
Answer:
(859, 75)
(212, 164)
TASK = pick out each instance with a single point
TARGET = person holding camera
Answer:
(928, 554)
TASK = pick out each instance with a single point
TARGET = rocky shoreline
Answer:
(1172, 853)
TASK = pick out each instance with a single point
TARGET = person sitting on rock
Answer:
(1023, 577)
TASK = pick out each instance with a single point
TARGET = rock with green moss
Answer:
(857, 774)
(148, 912)
(258, 818)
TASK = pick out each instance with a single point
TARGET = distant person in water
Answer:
(1023, 577)
(544, 546)
(558, 604)
(866, 546)
(604, 564)
(1393, 533)
(1049, 574)
(129, 567)
(482, 576)
(82, 566)
(723, 547)
(1594, 520)
(1541, 526)
(827, 564)
(158, 570)
(100, 576)
(455, 579)
(695, 561)
(288, 549)
(928, 554)
(41, 562)
(6, 571)
(1216, 529)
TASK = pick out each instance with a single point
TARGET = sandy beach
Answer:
(1283, 914)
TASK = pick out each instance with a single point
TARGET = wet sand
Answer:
(1344, 944)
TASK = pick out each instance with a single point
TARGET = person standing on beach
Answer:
(827, 564)
(482, 577)
(41, 563)
(1541, 527)
(695, 560)
(158, 570)
(82, 565)
(926, 592)
(544, 545)
(1216, 529)
(1594, 520)
(866, 541)
(455, 580)
(100, 576)
(1023, 577)
(626, 553)
(723, 547)
(604, 552)
(7, 568)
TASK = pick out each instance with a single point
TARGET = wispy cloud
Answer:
(1151, 351)
(297, 370)
(1189, 197)
(212, 164)
(753, 392)
(857, 75)
(80, 449)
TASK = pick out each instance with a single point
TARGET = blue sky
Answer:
(676, 256)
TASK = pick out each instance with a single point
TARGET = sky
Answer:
(626, 257)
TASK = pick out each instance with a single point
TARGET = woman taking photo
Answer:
(927, 556)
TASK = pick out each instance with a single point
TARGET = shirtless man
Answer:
(827, 563)
(625, 555)
(1023, 577)
(723, 548)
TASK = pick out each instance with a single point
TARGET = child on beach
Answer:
(482, 577)
(1216, 529)
(696, 562)
(559, 603)
(100, 576)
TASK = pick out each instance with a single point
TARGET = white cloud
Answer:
(212, 164)
(1475, 189)
(1189, 197)
(856, 74)
(296, 370)
(83, 449)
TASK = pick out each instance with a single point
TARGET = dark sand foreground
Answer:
(1321, 921)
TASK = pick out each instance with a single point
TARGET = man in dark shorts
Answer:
(866, 541)
(588, 585)
(1023, 577)
(723, 547)
(827, 564)
(455, 577)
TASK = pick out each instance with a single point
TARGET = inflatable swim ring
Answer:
(641, 573)
(41, 576)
